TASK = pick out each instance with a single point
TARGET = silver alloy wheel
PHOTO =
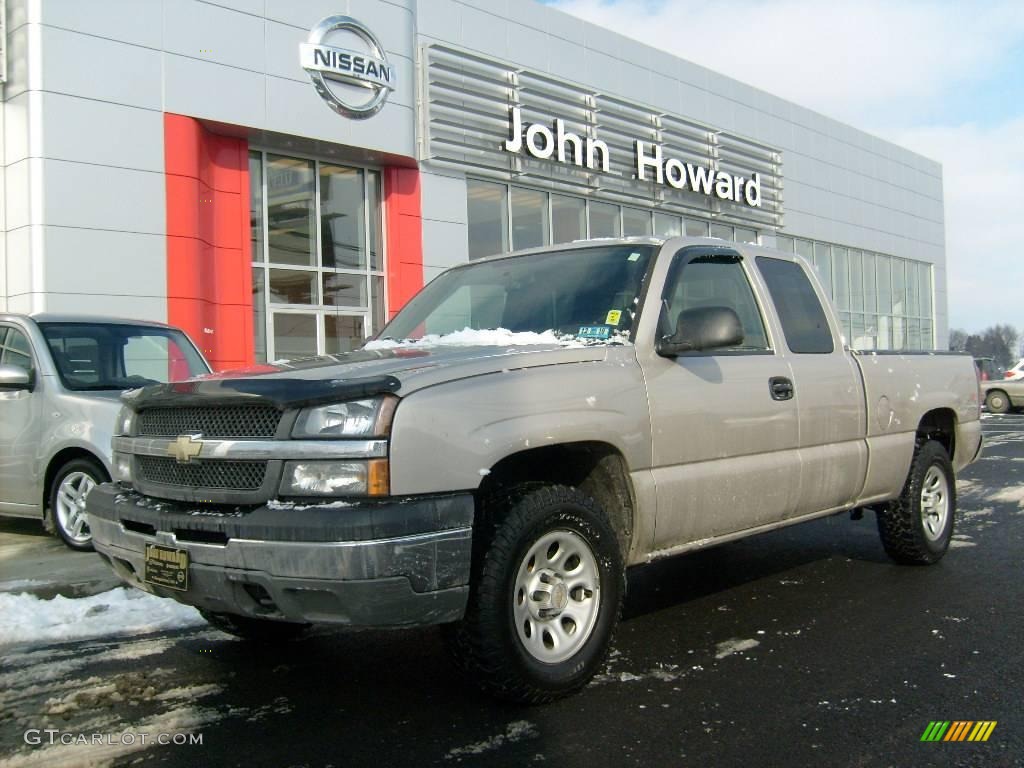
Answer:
(70, 506)
(934, 502)
(556, 596)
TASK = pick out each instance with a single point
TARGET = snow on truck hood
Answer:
(382, 366)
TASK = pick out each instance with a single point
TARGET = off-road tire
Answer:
(487, 644)
(80, 468)
(997, 401)
(258, 630)
(901, 523)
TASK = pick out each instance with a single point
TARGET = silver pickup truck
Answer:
(522, 431)
(60, 379)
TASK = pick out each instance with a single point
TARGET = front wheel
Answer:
(997, 401)
(68, 490)
(916, 528)
(545, 598)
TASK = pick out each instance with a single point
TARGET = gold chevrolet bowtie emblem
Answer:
(185, 448)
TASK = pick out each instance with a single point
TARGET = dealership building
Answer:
(278, 177)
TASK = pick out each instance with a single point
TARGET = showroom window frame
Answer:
(318, 308)
(548, 211)
(917, 321)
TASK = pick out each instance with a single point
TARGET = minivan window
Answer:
(803, 320)
(99, 356)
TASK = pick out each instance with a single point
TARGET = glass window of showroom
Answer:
(317, 255)
(884, 302)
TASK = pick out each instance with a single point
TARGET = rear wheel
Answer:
(916, 528)
(260, 630)
(68, 490)
(545, 598)
(997, 401)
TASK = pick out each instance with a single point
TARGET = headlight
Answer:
(125, 422)
(356, 418)
(335, 478)
(121, 466)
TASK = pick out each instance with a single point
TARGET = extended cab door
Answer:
(19, 430)
(828, 389)
(724, 429)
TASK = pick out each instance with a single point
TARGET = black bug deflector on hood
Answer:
(281, 392)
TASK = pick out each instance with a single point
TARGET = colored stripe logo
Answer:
(959, 730)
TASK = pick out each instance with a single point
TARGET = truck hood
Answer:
(333, 378)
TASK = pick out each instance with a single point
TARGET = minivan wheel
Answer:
(545, 597)
(68, 490)
(916, 528)
(997, 401)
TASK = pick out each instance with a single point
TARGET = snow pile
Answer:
(118, 612)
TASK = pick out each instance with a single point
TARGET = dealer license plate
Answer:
(166, 567)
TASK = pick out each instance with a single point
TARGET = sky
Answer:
(944, 79)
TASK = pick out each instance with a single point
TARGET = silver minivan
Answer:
(60, 380)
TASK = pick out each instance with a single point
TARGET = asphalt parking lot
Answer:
(806, 646)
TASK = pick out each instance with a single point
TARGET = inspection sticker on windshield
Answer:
(594, 332)
(634, 256)
(613, 317)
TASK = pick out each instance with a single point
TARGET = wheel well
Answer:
(939, 425)
(59, 460)
(597, 469)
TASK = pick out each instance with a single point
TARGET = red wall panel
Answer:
(209, 277)
(404, 235)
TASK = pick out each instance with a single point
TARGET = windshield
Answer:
(97, 356)
(580, 294)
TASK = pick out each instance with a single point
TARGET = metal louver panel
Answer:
(467, 99)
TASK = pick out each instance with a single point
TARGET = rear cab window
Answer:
(803, 319)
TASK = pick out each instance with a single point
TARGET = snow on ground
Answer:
(515, 731)
(184, 719)
(729, 647)
(118, 612)
(20, 585)
(1011, 494)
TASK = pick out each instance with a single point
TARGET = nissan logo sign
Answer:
(343, 75)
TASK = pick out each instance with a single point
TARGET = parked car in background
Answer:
(1002, 395)
(1017, 372)
(60, 380)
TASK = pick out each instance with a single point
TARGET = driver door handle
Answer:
(781, 388)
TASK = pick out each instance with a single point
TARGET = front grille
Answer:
(220, 421)
(222, 475)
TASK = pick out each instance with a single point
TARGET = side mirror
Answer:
(700, 329)
(13, 378)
